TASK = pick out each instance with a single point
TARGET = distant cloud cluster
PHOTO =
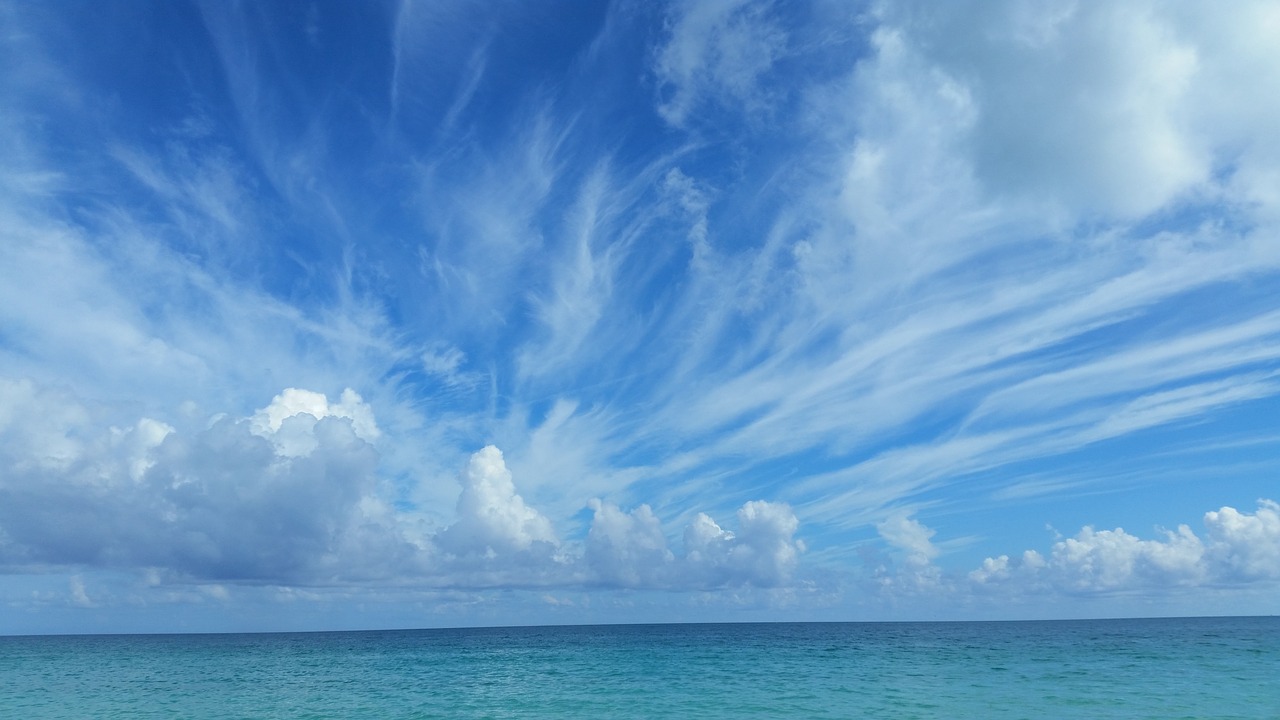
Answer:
(276, 498)
(1237, 548)
(290, 495)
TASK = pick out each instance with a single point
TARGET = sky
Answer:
(329, 315)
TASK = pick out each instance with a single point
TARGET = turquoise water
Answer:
(1167, 668)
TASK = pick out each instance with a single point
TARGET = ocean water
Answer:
(1160, 668)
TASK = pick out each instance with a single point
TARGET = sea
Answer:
(1154, 668)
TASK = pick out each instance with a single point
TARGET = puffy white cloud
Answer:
(289, 419)
(992, 570)
(1238, 548)
(706, 543)
(1098, 108)
(1099, 560)
(234, 507)
(998, 569)
(764, 550)
(1245, 547)
(493, 520)
(627, 549)
(231, 501)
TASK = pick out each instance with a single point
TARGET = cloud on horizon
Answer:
(290, 496)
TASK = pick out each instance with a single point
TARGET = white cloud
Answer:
(765, 550)
(141, 440)
(38, 425)
(630, 549)
(989, 239)
(717, 53)
(1103, 109)
(627, 549)
(221, 502)
(922, 283)
(912, 542)
(446, 363)
(290, 495)
(1244, 547)
(1102, 560)
(910, 536)
(493, 520)
(1238, 548)
(293, 435)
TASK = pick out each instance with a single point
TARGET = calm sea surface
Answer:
(1168, 668)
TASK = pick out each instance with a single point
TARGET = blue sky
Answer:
(340, 315)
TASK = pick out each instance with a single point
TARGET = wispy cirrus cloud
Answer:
(832, 272)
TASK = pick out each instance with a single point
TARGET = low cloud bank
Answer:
(290, 495)
(1237, 548)
(279, 497)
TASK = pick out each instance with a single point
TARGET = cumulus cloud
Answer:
(764, 551)
(289, 420)
(627, 549)
(276, 497)
(493, 520)
(290, 495)
(1237, 548)
(498, 539)
(630, 549)
(1097, 560)
(239, 508)
(1102, 109)
(1244, 547)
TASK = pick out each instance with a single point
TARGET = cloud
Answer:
(291, 495)
(944, 315)
(1101, 560)
(630, 549)
(765, 551)
(717, 53)
(279, 497)
(78, 595)
(909, 535)
(912, 543)
(1237, 549)
(1098, 109)
(627, 549)
(1244, 547)
(493, 520)
(293, 435)
(888, 248)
